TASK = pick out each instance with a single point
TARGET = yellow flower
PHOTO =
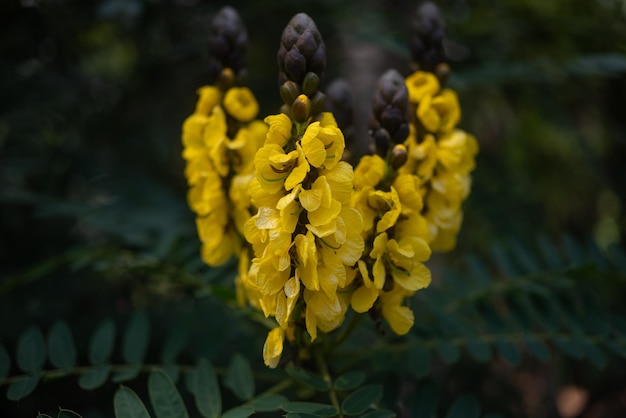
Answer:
(364, 296)
(410, 192)
(421, 84)
(279, 131)
(369, 171)
(422, 157)
(241, 104)
(428, 115)
(273, 166)
(273, 347)
(323, 145)
(244, 146)
(400, 318)
(286, 301)
(323, 312)
(210, 97)
(446, 104)
(456, 151)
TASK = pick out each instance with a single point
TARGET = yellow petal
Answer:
(363, 299)
(273, 347)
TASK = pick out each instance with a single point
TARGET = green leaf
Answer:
(136, 338)
(102, 342)
(165, 399)
(424, 403)
(312, 380)
(31, 351)
(379, 413)
(61, 348)
(172, 371)
(21, 388)
(206, 390)
(420, 359)
(66, 413)
(129, 374)
(268, 403)
(239, 378)
(349, 380)
(238, 412)
(479, 350)
(95, 378)
(509, 352)
(449, 353)
(175, 342)
(127, 404)
(5, 362)
(467, 406)
(537, 349)
(312, 408)
(361, 399)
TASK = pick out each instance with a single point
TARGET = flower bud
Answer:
(399, 155)
(318, 101)
(227, 43)
(289, 91)
(428, 30)
(301, 108)
(310, 84)
(390, 110)
(302, 50)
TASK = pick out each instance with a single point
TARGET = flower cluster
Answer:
(316, 237)
(220, 140)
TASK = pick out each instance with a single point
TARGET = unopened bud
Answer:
(318, 102)
(227, 43)
(226, 79)
(289, 91)
(302, 50)
(382, 141)
(301, 108)
(398, 157)
(428, 30)
(310, 84)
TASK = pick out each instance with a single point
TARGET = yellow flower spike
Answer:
(210, 97)
(241, 104)
(273, 347)
(279, 130)
(421, 84)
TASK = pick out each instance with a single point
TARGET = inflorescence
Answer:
(316, 236)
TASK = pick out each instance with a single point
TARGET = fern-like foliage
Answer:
(523, 301)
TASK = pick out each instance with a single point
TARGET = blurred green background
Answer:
(93, 216)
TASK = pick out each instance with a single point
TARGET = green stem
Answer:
(321, 362)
